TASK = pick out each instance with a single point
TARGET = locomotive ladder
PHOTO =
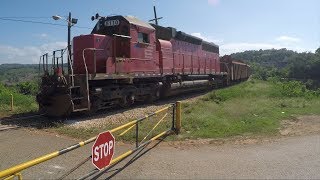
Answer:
(78, 88)
(83, 86)
(72, 86)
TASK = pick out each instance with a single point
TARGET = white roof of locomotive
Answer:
(138, 22)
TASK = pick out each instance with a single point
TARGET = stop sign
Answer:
(103, 150)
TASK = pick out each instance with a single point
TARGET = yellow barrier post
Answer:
(11, 104)
(178, 117)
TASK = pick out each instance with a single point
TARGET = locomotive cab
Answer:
(117, 46)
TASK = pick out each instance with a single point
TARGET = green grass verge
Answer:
(252, 108)
(22, 103)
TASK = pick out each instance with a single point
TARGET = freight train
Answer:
(125, 60)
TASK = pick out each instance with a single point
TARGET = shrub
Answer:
(29, 88)
(293, 89)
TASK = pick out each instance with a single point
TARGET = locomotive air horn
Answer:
(97, 16)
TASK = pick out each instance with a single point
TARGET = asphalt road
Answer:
(285, 158)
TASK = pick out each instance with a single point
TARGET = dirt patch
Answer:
(295, 126)
(237, 140)
(302, 125)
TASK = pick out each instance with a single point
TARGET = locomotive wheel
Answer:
(154, 96)
(127, 101)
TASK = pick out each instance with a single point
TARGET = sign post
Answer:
(103, 150)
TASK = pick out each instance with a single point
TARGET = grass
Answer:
(22, 103)
(79, 133)
(253, 107)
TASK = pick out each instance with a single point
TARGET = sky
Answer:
(234, 25)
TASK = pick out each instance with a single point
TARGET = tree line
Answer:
(284, 64)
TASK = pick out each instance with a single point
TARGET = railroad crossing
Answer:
(103, 148)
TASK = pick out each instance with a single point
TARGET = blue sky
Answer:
(235, 25)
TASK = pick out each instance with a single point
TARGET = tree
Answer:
(318, 51)
(28, 87)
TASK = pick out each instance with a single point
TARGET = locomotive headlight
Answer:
(74, 21)
(98, 89)
(56, 17)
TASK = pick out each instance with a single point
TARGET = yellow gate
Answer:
(143, 131)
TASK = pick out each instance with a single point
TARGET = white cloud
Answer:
(291, 43)
(43, 35)
(287, 39)
(27, 54)
(207, 38)
(230, 48)
(213, 2)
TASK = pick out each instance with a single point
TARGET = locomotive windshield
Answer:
(111, 26)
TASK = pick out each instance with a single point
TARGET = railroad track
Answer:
(8, 127)
(15, 123)
(22, 117)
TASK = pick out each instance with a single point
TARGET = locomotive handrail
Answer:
(123, 36)
(86, 68)
(45, 66)
(87, 74)
(94, 58)
(71, 69)
(55, 59)
(44, 59)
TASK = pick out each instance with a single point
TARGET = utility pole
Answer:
(155, 15)
(69, 42)
(71, 22)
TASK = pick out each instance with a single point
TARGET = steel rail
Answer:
(20, 118)
(7, 127)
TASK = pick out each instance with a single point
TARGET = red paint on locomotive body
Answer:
(119, 54)
(191, 59)
(164, 49)
(140, 53)
(82, 46)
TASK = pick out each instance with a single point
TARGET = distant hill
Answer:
(16, 73)
(271, 58)
(282, 63)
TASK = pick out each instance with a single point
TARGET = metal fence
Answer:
(139, 133)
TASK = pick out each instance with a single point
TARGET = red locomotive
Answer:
(125, 60)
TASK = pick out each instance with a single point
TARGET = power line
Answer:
(26, 17)
(39, 22)
(27, 21)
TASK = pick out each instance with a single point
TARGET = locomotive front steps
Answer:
(79, 94)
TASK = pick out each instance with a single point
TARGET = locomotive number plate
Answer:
(112, 23)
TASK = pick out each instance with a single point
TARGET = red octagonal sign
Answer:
(103, 150)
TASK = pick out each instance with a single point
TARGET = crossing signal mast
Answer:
(155, 14)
